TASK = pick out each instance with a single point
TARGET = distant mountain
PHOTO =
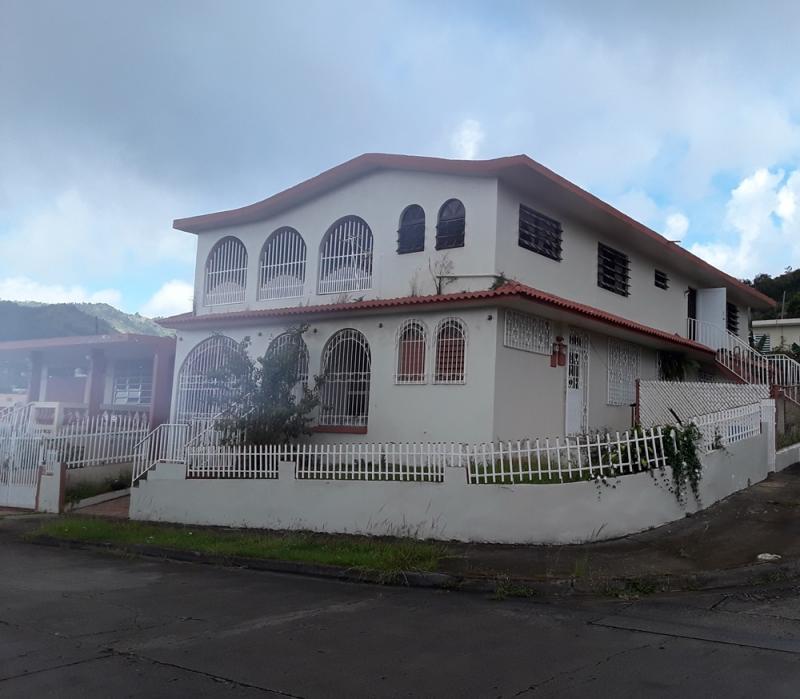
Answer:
(29, 321)
(784, 286)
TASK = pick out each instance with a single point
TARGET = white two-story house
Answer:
(451, 300)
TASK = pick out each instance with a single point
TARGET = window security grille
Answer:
(346, 366)
(411, 345)
(624, 366)
(661, 279)
(539, 233)
(411, 234)
(528, 333)
(451, 340)
(133, 382)
(226, 273)
(450, 226)
(203, 390)
(286, 342)
(345, 262)
(732, 318)
(283, 266)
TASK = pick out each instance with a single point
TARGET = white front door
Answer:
(577, 382)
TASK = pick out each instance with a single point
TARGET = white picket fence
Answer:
(248, 461)
(724, 428)
(530, 461)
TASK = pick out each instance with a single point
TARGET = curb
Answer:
(501, 586)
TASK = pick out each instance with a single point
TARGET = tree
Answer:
(275, 401)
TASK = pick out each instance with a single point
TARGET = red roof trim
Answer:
(79, 340)
(368, 162)
(512, 290)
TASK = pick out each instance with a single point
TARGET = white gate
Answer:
(21, 457)
(577, 398)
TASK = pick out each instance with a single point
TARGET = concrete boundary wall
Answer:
(787, 457)
(542, 514)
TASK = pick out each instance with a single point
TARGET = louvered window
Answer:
(411, 234)
(539, 233)
(613, 270)
(661, 279)
(450, 226)
(732, 318)
(133, 382)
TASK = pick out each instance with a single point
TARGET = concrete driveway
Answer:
(81, 624)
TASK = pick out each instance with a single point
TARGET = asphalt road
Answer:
(80, 624)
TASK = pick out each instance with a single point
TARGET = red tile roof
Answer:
(497, 167)
(510, 290)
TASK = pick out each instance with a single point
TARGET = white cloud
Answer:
(25, 289)
(172, 298)
(676, 226)
(467, 139)
(762, 226)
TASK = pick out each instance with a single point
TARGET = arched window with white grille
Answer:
(202, 391)
(282, 268)
(411, 346)
(345, 257)
(287, 342)
(346, 365)
(226, 273)
(451, 351)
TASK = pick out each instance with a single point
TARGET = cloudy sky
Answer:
(116, 117)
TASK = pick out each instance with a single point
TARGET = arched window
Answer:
(346, 372)
(451, 341)
(345, 257)
(411, 234)
(202, 390)
(411, 343)
(282, 270)
(226, 273)
(450, 226)
(284, 343)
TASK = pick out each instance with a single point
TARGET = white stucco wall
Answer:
(781, 334)
(422, 412)
(575, 277)
(525, 514)
(379, 199)
(530, 395)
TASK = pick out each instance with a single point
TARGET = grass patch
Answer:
(81, 491)
(383, 555)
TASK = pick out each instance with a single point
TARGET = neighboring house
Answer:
(776, 333)
(453, 300)
(87, 376)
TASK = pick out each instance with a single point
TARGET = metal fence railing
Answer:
(530, 461)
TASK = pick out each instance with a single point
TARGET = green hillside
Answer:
(28, 321)
(787, 283)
